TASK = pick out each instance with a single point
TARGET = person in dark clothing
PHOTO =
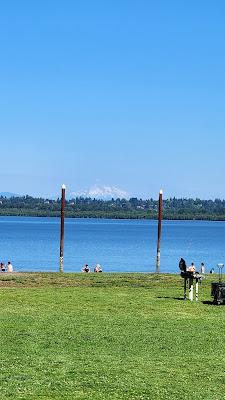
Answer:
(86, 268)
(2, 267)
(182, 265)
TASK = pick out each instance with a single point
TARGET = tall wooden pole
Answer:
(159, 230)
(61, 254)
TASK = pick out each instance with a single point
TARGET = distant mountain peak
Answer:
(101, 192)
(9, 194)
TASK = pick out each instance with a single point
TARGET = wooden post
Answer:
(61, 253)
(159, 231)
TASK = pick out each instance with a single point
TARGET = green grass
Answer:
(109, 336)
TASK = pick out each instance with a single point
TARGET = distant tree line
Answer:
(135, 208)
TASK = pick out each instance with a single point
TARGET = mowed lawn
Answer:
(109, 336)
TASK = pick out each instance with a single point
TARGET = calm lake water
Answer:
(32, 244)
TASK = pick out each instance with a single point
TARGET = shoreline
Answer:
(113, 218)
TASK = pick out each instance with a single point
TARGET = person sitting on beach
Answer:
(86, 268)
(98, 268)
(2, 267)
(191, 268)
(9, 267)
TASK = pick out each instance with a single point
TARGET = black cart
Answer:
(218, 288)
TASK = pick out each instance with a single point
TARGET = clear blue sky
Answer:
(122, 92)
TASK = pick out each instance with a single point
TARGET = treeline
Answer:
(115, 208)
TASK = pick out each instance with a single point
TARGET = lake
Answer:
(32, 244)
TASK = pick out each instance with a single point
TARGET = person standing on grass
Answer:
(9, 267)
(202, 268)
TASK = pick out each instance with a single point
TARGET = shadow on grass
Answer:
(209, 303)
(168, 297)
(206, 302)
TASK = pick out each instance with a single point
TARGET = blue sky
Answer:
(124, 93)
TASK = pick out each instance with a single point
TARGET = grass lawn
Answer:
(109, 336)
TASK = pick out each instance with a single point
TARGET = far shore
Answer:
(114, 217)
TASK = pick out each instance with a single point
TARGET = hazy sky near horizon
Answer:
(125, 93)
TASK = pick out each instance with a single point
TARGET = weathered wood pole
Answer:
(159, 231)
(61, 253)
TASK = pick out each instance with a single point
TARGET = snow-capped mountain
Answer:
(101, 192)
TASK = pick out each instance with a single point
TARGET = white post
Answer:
(196, 290)
(191, 289)
(185, 288)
